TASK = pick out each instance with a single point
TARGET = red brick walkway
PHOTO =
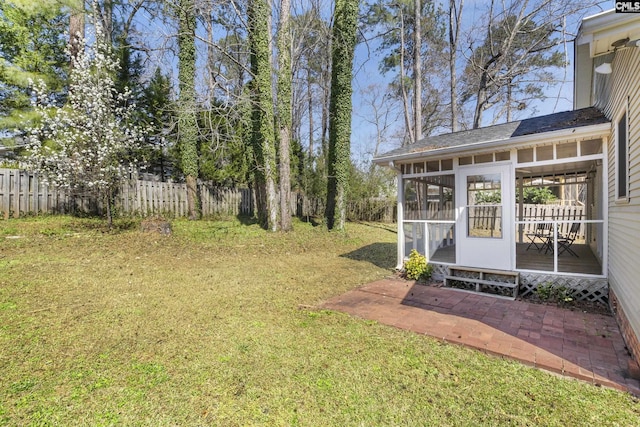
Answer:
(573, 343)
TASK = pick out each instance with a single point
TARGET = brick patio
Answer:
(581, 345)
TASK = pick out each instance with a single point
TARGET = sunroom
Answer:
(526, 197)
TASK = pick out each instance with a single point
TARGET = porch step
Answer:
(497, 283)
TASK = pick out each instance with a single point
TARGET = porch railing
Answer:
(427, 236)
(486, 216)
(586, 235)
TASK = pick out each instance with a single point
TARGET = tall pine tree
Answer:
(284, 113)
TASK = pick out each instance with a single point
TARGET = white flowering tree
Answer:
(90, 144)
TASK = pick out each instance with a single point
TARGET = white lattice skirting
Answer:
(583, 289)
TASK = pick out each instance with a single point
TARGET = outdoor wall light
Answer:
(604, 68)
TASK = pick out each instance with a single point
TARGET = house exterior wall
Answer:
(583, 75)
(622, 88)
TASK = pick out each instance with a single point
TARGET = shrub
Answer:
(538, 195)
(416, 268)
(557, 294)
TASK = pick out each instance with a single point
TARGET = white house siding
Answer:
(624, 217)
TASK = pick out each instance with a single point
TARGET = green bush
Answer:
(416, 268)
(537, 195)
(558, 294)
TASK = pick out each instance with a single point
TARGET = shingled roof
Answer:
(503, 132)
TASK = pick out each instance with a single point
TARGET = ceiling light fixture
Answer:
(604, 68)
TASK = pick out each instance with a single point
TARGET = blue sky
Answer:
(559, 97)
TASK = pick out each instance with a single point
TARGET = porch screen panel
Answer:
(414, 237)
(429, 198)
(484, 206)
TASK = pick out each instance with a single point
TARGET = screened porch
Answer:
(559, 218)
(558, 222)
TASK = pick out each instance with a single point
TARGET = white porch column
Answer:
(400, 221)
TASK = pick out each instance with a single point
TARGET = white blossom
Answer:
(90, 143)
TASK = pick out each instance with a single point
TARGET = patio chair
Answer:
(540, 237)
(565, 242)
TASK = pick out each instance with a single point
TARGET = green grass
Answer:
(215, 325)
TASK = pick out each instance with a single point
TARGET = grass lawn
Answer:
(215, 325)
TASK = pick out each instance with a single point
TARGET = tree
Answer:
(90, 144)
(225, 152)
(186, 114)
(455, 22)
(76, 29)
(32, 47)
(510, 65)
(155, 111)
(382, 113)
(311, 63)
(410, 30)
(284, 113)
(343, 48)
(417, 70)
(537, 195)
(263, 137)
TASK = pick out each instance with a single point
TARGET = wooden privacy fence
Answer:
(23, 193)
(170, 198)
(490, 217)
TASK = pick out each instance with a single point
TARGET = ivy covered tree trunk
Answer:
(187, 124)
(262, 134)
(343, 47)
(284, 113)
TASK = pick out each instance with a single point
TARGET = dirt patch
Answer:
(584, 306)
(573, 305)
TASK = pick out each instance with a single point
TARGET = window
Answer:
(622, 157)
(484, 206)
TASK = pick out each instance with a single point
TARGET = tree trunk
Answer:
(284, 113)
(210, 58)
(509, 101)
(76, 32)
(109, 200)
(192, 197)
(262, 131)
(343, 47)
(105, 13)
(310, 106)
(187, 123)
(455, 17)
(417, 70)
(480, 102)
(326, 100)
(403, 88)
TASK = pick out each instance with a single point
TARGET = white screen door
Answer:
(485, 223)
